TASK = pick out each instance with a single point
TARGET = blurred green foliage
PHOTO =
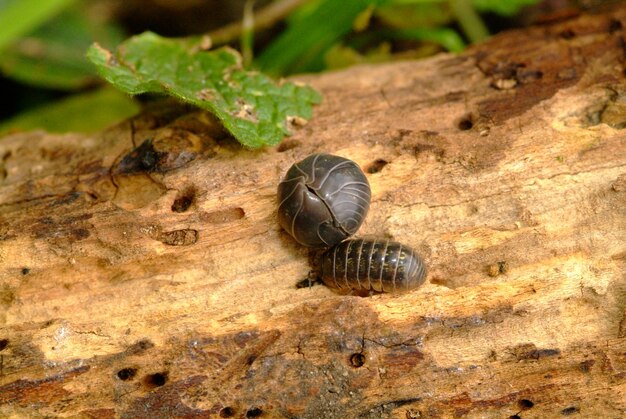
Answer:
(502, 7)
(43, 42)
(82, 112)
(338, 27)
(19, 17)
(53, 55)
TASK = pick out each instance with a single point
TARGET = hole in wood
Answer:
(287, 145)
(3, 344)
(25, 271)
(614, 26)
(525, 404)
(184, 200)
(357, 360)
(126, 374)
(155, 380)
(569, 411)
(376, 166)
(227, 412)
(255, 412)
(465, 123)
(223, 216)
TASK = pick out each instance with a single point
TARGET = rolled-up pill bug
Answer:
(372, 265)
(323, 199)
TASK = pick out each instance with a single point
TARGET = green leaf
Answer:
(252, 107)
(301, 47)
(53, 56)
(87, 112)
(18, 17)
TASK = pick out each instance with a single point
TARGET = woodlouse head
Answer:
(323, 199)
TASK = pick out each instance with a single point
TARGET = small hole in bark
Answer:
(568, 34)
(155, 380)
(227, 412)
(515, 417)
(525, 404)
(465, 123)
(376, 166)
(614, 26)
(222, 216)
(569, 410)
(585, 366)
(357, 360)
(126, 373)
(255, 412)
(527, 76)
(25, 271)
(304, 283)
(287, 145)
(3, 344)
(184, 200)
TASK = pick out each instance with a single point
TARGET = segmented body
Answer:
(323, 199)
(373, 265)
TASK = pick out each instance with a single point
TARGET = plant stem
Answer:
(469, 20)
(265, 18)
(247, 34)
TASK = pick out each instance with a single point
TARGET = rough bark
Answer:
(143, 272)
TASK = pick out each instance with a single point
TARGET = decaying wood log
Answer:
(143, 272)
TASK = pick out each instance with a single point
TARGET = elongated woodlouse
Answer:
(372, 265)
(323, 200)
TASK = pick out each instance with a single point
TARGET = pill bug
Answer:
(323, 199)
(372, 265)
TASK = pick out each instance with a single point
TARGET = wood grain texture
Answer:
(143, 272)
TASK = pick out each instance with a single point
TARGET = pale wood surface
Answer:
(506, 169)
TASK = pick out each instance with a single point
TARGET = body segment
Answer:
(372, 265)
